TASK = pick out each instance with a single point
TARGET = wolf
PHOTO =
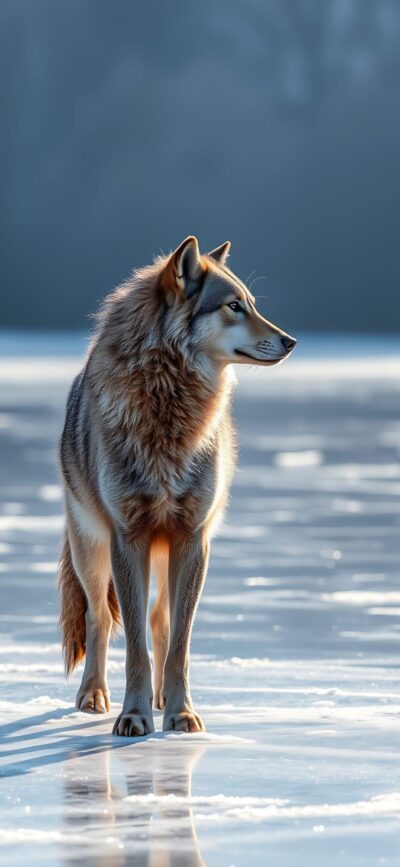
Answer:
(147, 456)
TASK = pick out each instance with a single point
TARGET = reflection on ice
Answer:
(135, 808)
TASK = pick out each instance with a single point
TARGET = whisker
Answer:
(254, 280)
(249, 277)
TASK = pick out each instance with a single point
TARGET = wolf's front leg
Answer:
(187, 571)
(131, 567)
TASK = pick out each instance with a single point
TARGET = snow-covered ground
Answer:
(296, 647)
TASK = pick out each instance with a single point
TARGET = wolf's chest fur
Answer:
(162, 429)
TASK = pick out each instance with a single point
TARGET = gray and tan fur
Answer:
(147, 456)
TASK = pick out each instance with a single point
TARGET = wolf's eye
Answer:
(234, 305)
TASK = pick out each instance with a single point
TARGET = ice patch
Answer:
(15, 836)
(362, 597)
(28, 668)
(23, 618)
(262, 582)
(38, 370)
(253, 662)
(50, 493)
(248, 809)
(366, 577)
(235, 662)
(25, 648)
(322, 733)
(203, 737)
(242, 532)
(41, 702)
(221, 800)
(48, 567)
(310, 458)
(34, 523)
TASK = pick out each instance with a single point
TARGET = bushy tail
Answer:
(72, 610)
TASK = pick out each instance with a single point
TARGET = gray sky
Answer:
(274, 123)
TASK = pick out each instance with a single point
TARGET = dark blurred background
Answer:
(274, 123)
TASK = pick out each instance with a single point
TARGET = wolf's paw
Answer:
(133, 724)
(93, 700)
(186, 721)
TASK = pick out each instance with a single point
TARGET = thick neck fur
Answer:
(156, 393)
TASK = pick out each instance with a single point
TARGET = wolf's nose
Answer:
(289, 343)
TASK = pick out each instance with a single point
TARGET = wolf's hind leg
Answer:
(92, 563)
(159, 621)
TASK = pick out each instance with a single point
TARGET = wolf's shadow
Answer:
(135, 808)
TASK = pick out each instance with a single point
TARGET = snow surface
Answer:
(296, 647)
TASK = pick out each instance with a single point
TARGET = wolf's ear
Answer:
(220, 254)
(183, 273)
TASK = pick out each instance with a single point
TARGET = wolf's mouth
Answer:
(259, 360)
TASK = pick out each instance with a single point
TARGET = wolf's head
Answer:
(204, 296)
